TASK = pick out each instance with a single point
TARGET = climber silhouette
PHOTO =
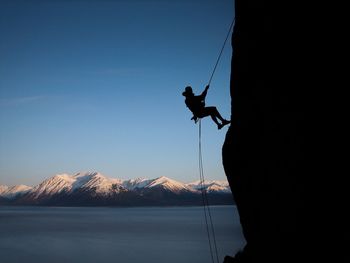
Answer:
(196, 104)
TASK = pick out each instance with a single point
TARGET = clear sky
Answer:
(96, 86)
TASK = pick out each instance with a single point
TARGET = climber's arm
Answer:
(204, 93)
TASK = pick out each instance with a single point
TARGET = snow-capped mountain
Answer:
(92, 188)
(168, 184)
(81, 181)
(3, 188)
(14, 191)
(137, 183)
(160, 182)
(211, 186)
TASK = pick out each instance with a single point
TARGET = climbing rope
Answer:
(206, 207)
(222, 49)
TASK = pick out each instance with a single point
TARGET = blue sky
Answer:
(96, 86)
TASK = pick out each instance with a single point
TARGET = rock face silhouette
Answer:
(263, 150)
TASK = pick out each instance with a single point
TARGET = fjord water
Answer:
(125, 235)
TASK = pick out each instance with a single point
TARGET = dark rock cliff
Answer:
(263, 153)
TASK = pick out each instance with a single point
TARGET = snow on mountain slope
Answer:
(11, 192)
(164, 182)
(102, 185)
(96, 183)
(86, 181)
(211, 186)
(168, 184)
(54, 185)
(137, 183)
(3, 188)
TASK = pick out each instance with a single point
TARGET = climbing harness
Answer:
(207, 213)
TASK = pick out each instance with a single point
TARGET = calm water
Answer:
(124, 235)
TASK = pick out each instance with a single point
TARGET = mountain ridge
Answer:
(93, 188)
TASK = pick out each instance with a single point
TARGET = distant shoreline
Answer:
(100, 206)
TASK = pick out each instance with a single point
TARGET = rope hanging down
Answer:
(207, 212)
(222, 49)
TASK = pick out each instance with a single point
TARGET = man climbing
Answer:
(196, 104)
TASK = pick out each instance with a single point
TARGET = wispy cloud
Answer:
(20, 100)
